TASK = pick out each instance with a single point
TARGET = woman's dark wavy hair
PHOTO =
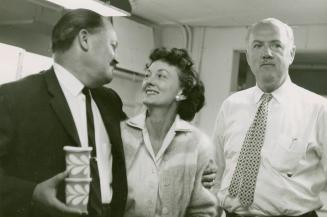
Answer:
(193, 87)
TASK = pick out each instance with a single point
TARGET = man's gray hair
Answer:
(288, 30)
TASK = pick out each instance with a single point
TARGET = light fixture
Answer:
(98, 6)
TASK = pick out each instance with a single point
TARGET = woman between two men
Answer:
(165, 154)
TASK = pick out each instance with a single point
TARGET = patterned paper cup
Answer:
(77, 193)
(78, 161)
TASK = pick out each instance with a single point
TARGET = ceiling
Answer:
(215, 13)
(223, 13)
(32, 15)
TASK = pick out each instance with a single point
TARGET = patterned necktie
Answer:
(95, 193)
(246, 171)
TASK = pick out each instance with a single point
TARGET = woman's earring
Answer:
(179, 98)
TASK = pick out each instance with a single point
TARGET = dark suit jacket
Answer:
(35, 125)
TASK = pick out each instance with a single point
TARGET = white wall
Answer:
(128, 86)
(135, 42)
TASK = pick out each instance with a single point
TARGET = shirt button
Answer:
(165, 211)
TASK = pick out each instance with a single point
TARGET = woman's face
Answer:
(160, 85)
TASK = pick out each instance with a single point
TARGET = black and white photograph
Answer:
(163, 108)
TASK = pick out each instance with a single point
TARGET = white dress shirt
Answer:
(72, 89)
(293, 158)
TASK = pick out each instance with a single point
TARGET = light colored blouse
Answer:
(168, 183)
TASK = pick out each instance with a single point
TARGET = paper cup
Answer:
(78, 161)
(77, 193)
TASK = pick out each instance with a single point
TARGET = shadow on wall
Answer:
(128, 86)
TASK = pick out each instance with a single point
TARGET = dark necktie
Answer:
(246, 171)
(95, 203)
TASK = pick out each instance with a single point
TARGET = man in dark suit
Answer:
(42, 113)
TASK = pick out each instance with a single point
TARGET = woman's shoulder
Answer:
(195, 134)
(197, 141)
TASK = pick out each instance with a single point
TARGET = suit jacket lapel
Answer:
(60, 105)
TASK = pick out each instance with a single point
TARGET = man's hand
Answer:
(44, 197)
(209, 175)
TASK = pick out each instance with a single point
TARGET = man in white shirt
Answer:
(42, 113)
(271, 139)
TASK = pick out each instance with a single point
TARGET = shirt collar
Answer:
(179, 124)
(280, 94)
(68, 80)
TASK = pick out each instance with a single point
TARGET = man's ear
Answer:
(292, 54)
(247, 55)
(83, 39)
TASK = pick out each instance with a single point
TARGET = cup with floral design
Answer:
(78, 161)
(77, 193)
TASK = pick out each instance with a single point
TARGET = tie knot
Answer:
(266, 97)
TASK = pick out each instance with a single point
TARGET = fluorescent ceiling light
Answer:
(94, 5)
